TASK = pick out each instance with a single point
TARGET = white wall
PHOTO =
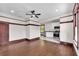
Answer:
(11, 20)
(32, 22)
(19, 32)
(34, 31)
(50, 26)
(55, 24)
(66, 19)
(27, 32)
(66, 30)
(16, 32)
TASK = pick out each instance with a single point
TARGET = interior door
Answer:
(76, 24)
(4, 33)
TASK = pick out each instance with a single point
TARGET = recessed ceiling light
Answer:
(56, 10)
(12, 11)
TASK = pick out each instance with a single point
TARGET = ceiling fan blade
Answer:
(38, 14)
(28, 14)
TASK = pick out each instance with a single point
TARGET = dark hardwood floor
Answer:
(37, 48)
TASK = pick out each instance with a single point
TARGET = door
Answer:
(4, 33)
(76, 24)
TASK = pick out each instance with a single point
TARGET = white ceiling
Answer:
(47, 10)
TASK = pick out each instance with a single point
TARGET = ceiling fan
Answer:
(33, 14)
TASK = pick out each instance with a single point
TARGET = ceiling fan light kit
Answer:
(33, 14)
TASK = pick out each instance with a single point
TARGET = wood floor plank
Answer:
(37, 48)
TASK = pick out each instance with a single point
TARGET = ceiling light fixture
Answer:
(12, 11)
(56, 10)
